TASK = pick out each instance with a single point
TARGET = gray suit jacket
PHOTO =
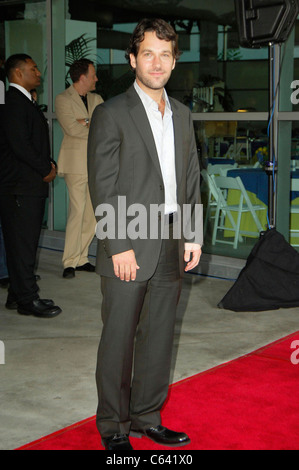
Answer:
(123, 161)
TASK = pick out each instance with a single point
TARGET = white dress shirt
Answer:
(162, 129)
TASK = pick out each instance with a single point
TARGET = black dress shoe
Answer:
(86, 267)
(69, 273)
(11, 304)
(163, 436)
(117, 442)
(39, 308)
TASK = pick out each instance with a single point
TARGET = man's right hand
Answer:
(125, 265)
(52, 175)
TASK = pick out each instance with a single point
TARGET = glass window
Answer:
(213, 74)
(291, 56)
(234, 184)
(23, 29)
(294, 188)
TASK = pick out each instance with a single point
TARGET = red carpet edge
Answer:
(261, 353)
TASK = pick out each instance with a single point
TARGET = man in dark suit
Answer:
(142, 156)
(26, 171)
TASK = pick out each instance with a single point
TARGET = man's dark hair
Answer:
(13, 62)
(163, 31)
(78, 68)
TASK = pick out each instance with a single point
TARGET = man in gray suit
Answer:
(142, 156)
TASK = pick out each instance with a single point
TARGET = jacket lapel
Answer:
(178, 141)
(30, 103)
(91, 100)
(76, 97)
(140, 119)
(142, 124)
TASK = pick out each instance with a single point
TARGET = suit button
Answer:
(161, 187)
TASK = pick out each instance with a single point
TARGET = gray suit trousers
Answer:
(134, 356)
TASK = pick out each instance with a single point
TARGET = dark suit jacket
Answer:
(24, 147)
(123, 161)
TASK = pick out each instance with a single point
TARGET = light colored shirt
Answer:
(162, 129)
(23, 90)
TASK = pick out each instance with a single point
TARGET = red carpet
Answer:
(250, 403)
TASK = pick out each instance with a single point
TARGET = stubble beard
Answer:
(152, 84)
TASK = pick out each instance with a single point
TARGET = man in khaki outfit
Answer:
(74, 108)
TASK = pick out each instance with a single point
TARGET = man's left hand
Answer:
(52, 175)
(192, 255)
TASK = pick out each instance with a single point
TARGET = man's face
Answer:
(29, 75)
(90, 79)
(154, 62)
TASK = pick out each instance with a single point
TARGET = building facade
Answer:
(226, 87)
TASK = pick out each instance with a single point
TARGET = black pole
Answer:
(271, 166)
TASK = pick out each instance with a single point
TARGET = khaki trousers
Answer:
(81, 223)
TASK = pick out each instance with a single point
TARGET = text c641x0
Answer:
(154, 459)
